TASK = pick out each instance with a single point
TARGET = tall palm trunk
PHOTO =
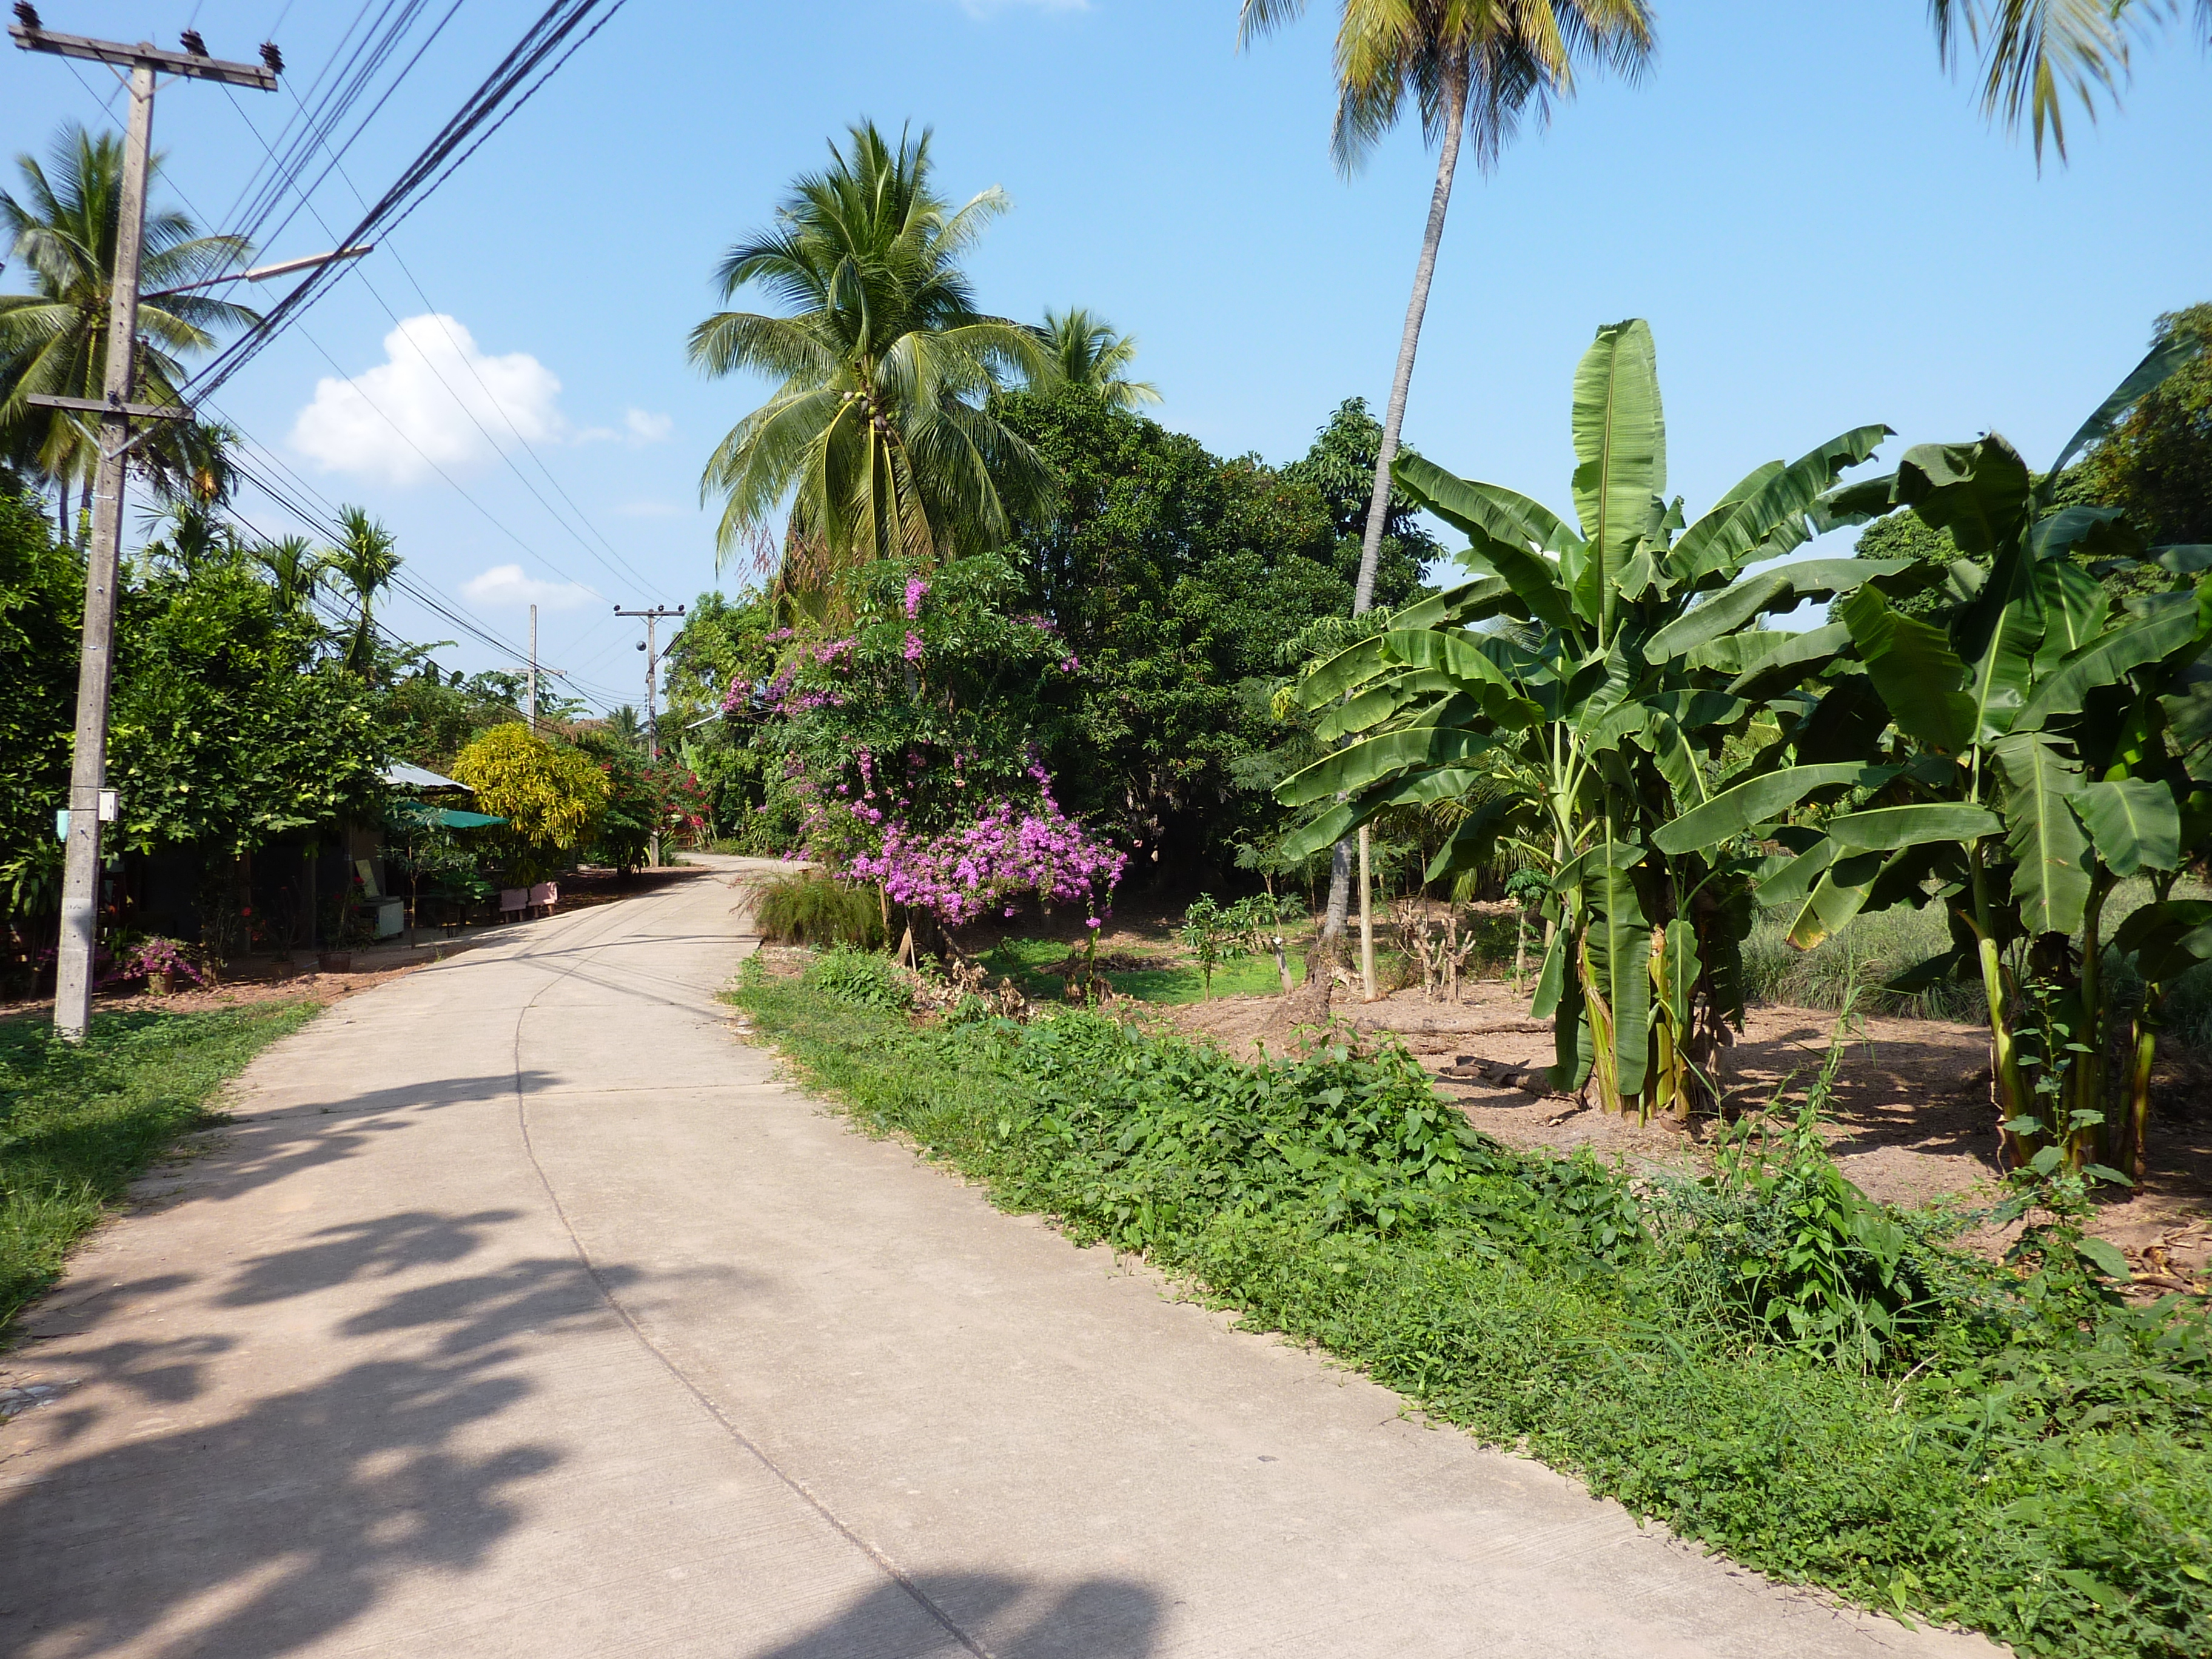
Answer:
(1394, 417)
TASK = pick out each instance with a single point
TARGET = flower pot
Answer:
(334, 962)
(160, 983)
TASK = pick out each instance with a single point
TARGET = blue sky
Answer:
(1814, 218)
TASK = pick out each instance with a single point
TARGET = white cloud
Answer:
(638, 429)
(429, 404)
(505, 584)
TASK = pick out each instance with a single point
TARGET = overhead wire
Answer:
(617, 566)
(499, 96)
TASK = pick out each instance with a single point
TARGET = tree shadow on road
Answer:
(257, 1532)
(1007, 1617)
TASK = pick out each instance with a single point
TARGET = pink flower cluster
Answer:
(915, 587)
(1007, 851)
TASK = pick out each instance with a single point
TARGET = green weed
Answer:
(2037, 1472)
(78, 1124)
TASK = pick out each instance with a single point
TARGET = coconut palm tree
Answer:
(1474, 68)
(2035, 51)
(877, 433)
(1087, 351)
(364, 561)
(54, 339)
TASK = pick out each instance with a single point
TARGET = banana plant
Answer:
(1590, 685)
(2042, 747)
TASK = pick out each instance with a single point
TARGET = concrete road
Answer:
(522, 1311)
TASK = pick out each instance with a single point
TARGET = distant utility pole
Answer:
(650, 646)
(89, 765)
(534, 668)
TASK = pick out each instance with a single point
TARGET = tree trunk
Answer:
(1393, 418)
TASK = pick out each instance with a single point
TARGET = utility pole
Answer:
(534, 668)
(650, 646)
(88, 764)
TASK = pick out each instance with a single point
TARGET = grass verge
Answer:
(2028, 1458)
(78, 1124)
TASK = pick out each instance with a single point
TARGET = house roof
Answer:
(400, 775)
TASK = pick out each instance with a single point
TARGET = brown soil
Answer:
(1912, 1123)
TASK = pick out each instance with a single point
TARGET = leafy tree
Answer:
(1594, 736)
(2035, 51)
(228, 726)
(1086, 351)
(551, 797)
(54, 339)
(723, 644)
(877, 431)
(429, 717)
(1472, 68)
(1340, 468)
(1174, 576)
(41, 600)
(2157, 464)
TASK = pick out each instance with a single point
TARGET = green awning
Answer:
(441, 817)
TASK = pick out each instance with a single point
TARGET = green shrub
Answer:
(807, 909)
(860, 979)
(2038, 1471)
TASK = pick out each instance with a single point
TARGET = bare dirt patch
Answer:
(1912, 1119)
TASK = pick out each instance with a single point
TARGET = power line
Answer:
(620, 567)
(494, 101)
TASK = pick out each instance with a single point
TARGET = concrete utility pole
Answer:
(650, 646)
(88, 764)
(534, 668)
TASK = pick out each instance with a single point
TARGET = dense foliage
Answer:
(2023, 1456)
(551, 796)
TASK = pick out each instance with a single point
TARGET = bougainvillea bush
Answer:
(910, 739)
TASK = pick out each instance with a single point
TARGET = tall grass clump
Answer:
(1767, 1361)
(805, 908)
(78, 1124)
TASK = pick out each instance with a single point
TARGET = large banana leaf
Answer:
(2132, 822)
(1977, 491)
(1770, 590)
(2052, 877)
(2167, 937)
(1792, 662)
(1839, 895)
(1887, 828)
(1360, 764)
(1502, 514)
(1734, 810)
(2135, 642)
(1797, 877)
(1768, 518)
(1463, 604)
(1350, 667)
(1621, 448)
(1914, 668)
(1422, 789)
(1474, 841)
